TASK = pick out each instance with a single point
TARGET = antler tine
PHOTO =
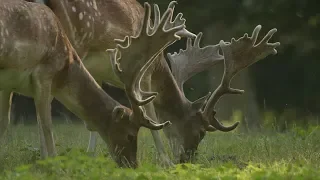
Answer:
(146, 19)
(147, 121)
(238, 55)
(193, 60)
(197, 40)
(123, 43)
(131, 61)
(178, 21)
(114, 59)
(172, 4)
(156, 17)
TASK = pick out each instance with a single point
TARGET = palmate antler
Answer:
(134, 55)
(193, 60)
(238, 55)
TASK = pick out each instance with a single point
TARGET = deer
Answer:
(236, 55)
(38, 60)
(189, 125)
(92, 27)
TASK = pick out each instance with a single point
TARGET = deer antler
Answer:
(134, 55)
(179, 20)
(238, 55)
(193, 60)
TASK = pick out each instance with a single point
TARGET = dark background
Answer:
(285, 85)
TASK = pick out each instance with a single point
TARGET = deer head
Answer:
(131, 59)
(237, 55)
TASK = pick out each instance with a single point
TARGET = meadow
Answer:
(293, 154)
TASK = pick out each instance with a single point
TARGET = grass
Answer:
(269, 155)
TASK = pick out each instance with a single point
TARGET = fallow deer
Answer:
(91, 26)
(237, 55)
(37, 60)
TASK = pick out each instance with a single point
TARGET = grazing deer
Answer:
(237, 55)
(92, 26)
(189, 125)
(37, 60)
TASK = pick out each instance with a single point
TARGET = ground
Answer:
(265, 155)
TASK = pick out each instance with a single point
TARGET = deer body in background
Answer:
(37, 60)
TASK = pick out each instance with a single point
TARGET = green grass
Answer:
(234, 155)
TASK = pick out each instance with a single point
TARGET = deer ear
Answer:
(198, 104)
(118, 113)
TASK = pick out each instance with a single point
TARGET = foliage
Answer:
(78, 166)
(294, 154)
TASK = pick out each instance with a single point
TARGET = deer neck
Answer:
(79, 92)
(163, 82)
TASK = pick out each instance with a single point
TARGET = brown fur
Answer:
(110, 20)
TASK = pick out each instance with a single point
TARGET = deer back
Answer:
(28, 35)
(95, 24)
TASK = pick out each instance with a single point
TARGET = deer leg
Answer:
(43, 101)
(175, 144)
(152, 114)
(92, 142)
(156, 137)
(176, 148)
(43, 147)
(93, 137)
(5, 105)
(160, 148)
